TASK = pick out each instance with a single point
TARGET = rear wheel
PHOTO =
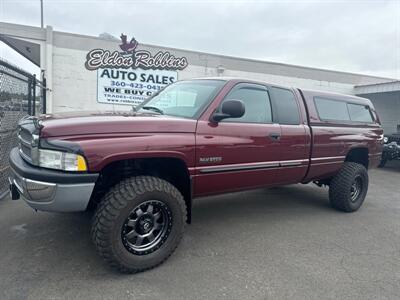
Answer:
(139, 223)
(349, 187)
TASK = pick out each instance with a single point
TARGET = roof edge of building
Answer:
(379, 78)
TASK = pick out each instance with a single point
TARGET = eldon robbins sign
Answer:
(131, 76)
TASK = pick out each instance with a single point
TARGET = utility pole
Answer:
(41, 13)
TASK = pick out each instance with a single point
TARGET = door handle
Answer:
(275, 136)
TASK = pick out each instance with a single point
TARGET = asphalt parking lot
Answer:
(280, 243)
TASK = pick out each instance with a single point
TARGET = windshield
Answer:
(184, 98)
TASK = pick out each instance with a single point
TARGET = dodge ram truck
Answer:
(141, 170)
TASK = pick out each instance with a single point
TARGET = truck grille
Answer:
(25, 135)
(28, 139)
(25, 151)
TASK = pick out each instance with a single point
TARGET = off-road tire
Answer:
(114, 209)
(340, 188)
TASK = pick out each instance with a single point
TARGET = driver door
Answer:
(238, 153)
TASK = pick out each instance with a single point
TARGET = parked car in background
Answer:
(142, 170)
(391, 149)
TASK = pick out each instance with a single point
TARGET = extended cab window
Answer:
(360, 113)
(286, 106)
(332, 110)
(257, 104)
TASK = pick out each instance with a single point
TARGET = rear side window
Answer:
(331, 109)
(334, 110)
(256, 102)
(360, 113)
(286, 106)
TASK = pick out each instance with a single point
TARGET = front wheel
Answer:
(347, 190)
(139, 223)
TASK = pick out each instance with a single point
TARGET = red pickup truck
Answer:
(141, 170)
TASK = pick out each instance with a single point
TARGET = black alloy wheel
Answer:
(147, 227)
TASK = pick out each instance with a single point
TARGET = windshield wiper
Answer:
(153, 108)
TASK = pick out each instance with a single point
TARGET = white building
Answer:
(71, 86)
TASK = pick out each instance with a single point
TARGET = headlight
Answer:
(385, 139)
(61, 160)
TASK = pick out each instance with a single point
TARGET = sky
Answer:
(354, 36)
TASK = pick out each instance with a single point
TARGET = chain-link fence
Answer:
(20, 95)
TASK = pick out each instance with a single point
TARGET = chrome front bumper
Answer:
(60, 192)
(54, 197)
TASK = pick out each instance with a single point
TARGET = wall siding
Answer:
(388, 107)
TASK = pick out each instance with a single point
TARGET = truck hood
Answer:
(87, 123)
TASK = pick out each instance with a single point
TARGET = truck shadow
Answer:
(300, 200)
(286, 200)
(63, 240)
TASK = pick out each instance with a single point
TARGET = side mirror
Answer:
(229, 109)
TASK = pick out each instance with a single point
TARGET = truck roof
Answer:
(335, 96)
(306, 92)
(241, 79)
